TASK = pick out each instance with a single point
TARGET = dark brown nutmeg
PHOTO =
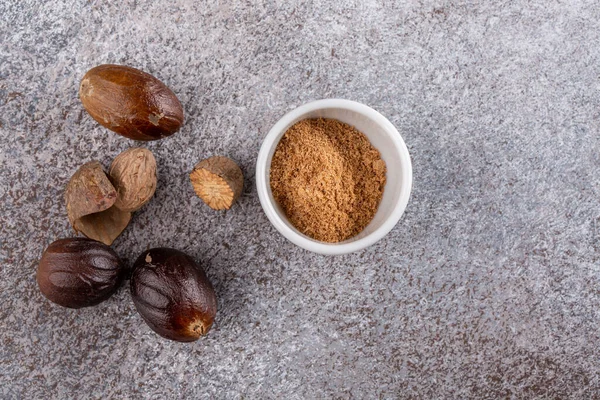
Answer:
(173, 295)
(79, 272)
(130, 102)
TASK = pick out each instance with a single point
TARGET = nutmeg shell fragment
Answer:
(173, 295)
(133, 174)
(218, 181)
(79, 272)
(130, 102)
(90, 198)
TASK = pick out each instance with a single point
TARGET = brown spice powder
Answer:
(328, 179)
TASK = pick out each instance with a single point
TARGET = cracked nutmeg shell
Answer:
(173, 295)
(130, 102)
(79, 272)
(133, 174)
(90, 198)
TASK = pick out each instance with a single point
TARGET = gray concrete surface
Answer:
(489, 287)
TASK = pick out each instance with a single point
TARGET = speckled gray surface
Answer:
(488, 287)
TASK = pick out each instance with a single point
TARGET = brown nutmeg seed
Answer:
(130, 102)
(90, 198)
(79, 272)
(133, 174)
(173, 294)
(218, 181)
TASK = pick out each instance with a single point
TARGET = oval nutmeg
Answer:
(79, 272)
(173, 295)
(130, 102)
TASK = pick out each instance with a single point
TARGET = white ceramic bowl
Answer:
(382, 135)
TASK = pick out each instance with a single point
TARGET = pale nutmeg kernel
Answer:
(218, 181)
(133, 173)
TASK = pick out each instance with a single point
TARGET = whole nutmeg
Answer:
(90, 198)
(130, 102)
(79, 272)
(133, 174)
(173, 295)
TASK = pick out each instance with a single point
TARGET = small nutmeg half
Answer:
(90, 198)
(218, 181)
(133, 174)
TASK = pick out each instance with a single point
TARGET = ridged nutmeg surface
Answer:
(130, 102)
(173, 295)
(218, 181)
(79, 272)
(133, 174)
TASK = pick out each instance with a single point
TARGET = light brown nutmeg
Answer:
(218, 181)
(133, 174)
(90, 199)
(130, 102)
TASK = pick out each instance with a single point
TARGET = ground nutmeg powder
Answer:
(327, 178)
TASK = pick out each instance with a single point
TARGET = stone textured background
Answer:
(488, 287)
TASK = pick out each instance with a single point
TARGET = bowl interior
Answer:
(383, 137)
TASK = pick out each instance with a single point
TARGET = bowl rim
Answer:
(272, 139)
